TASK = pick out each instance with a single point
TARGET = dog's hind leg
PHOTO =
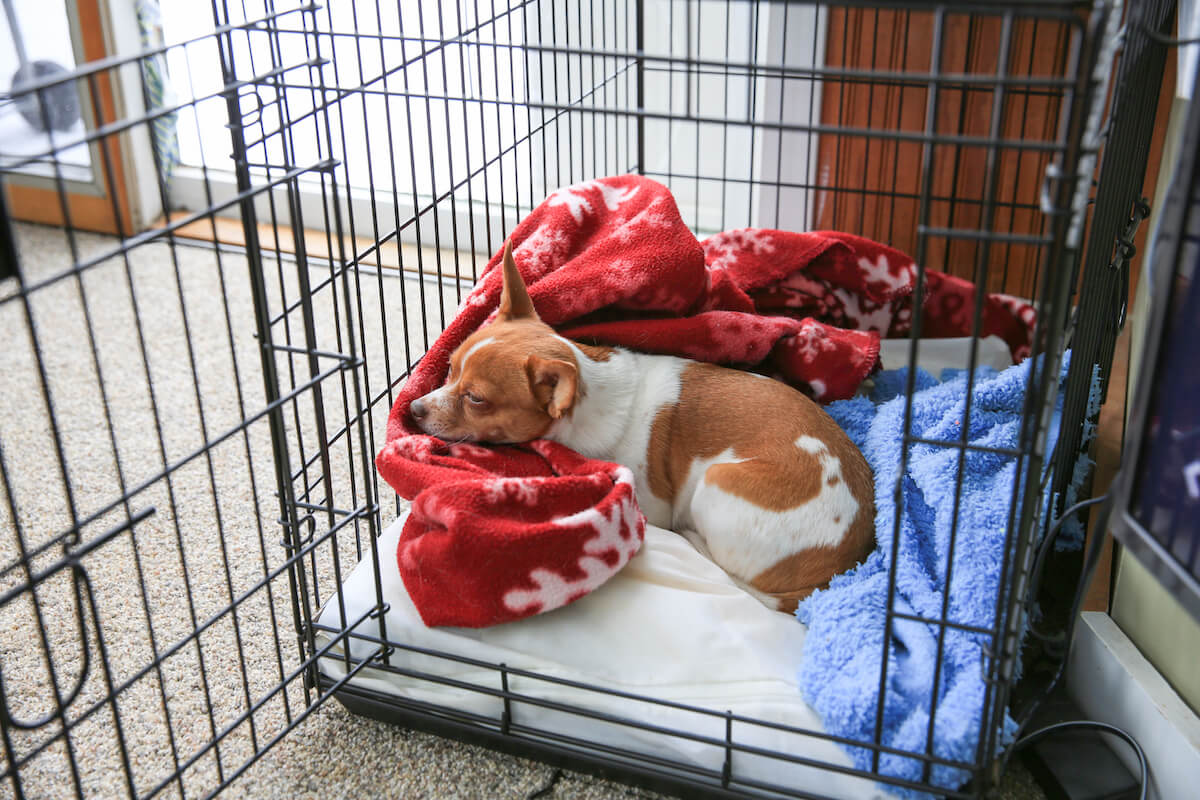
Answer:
(696, 540)
(737, 536)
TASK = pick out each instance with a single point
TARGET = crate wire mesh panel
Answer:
(188, 428)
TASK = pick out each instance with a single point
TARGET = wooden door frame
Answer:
(104, 204)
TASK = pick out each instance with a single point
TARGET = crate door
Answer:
(181, 444)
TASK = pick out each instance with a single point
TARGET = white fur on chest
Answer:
(613, 419)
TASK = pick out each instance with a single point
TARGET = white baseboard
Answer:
(1110, 680)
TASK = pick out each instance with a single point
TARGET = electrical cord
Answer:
(1091, 560)
(1155, 36)
(1164, 40)
(1041, 733)
(1048, 540)
(546, 788)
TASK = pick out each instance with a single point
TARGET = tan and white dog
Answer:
(752, 472)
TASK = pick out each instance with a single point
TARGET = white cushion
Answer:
(935, 355)
(670, 626)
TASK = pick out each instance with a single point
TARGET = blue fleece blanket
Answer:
(839, 671)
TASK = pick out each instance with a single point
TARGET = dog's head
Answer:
(508, 381)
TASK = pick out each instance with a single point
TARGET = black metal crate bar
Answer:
(196, 393)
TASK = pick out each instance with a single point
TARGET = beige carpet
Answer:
(148, 359)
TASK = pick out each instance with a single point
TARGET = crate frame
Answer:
(303, 374)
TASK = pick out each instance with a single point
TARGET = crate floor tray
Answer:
(665, 664)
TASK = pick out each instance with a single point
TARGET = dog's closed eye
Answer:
(475, 400)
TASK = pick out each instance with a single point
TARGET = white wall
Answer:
(435, 144)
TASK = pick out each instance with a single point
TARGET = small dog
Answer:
(751, 471)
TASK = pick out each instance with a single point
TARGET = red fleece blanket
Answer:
(500, 533)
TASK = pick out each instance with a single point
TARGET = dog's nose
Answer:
(418, 408)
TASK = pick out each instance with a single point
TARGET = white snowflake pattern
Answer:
(877, 319)
(880, 271)
(414, 448)
(614, 196)
(543, 251)
(576, 201)
(477, 297)
(553, 588)
(661, 297)
(465, 450)
(731, 244)
(652, 216)
(429, 508)
(1022, 308)
(811, 341)
(803, 283)
(522, 490)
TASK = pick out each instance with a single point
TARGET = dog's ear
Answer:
(514, 298)
(554, 384)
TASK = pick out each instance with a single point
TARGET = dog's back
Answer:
(752, 471)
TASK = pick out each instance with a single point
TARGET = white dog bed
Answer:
(670, 626)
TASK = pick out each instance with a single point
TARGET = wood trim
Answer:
(86, 211)
(318, 243)
(871, 186)
(858, 172)
(1110, 434)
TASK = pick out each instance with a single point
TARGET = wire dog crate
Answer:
(194, 395)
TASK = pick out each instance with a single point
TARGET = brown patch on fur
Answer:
(662, 465)
(795, 577)
(721, 409)
(554, 383)
(596, 352)
(786, 480)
